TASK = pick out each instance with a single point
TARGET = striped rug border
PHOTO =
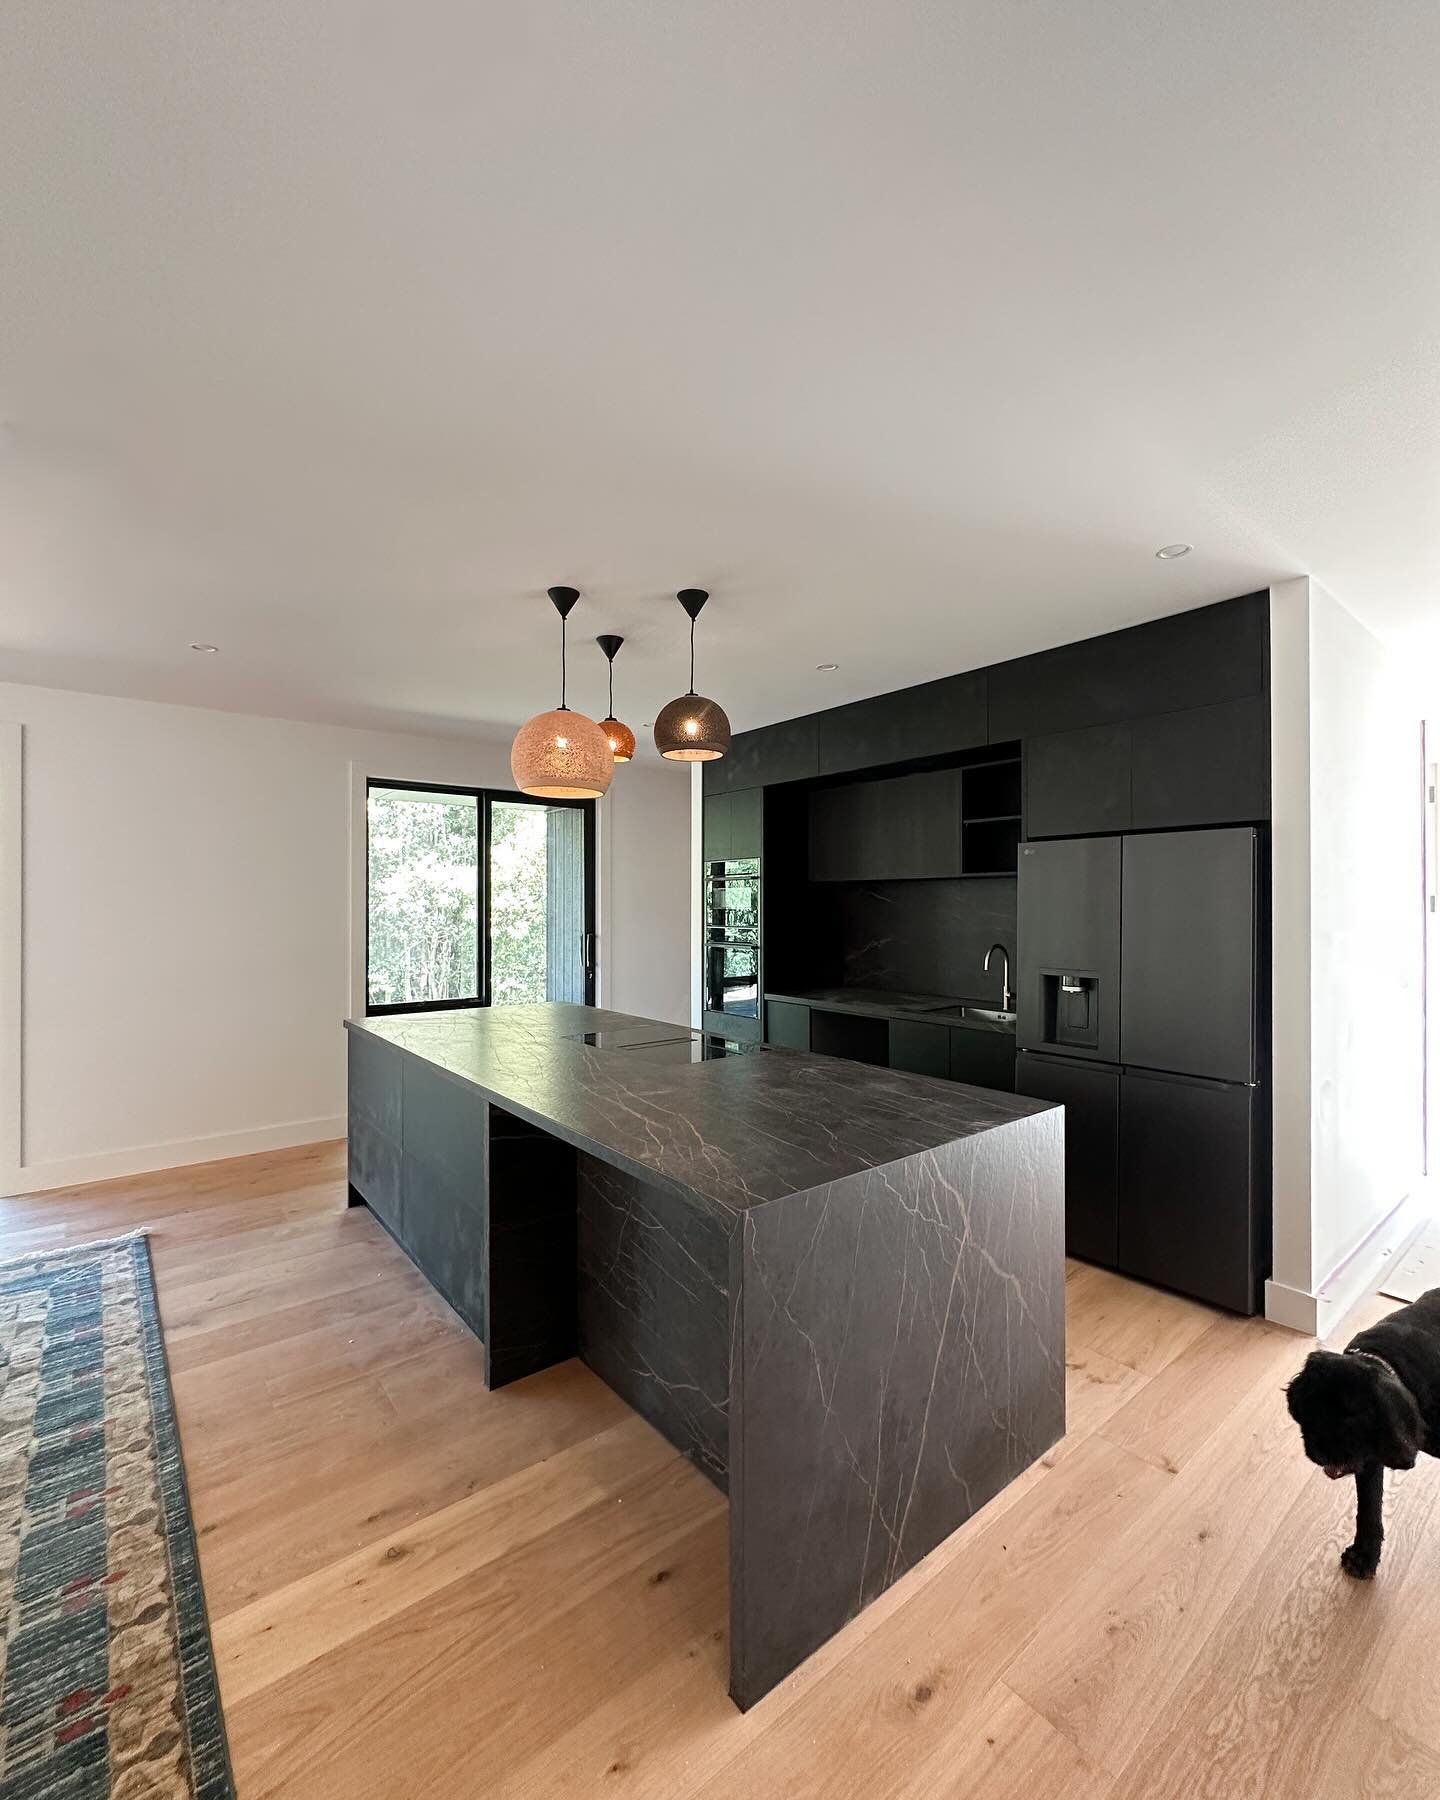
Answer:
(211, 1774)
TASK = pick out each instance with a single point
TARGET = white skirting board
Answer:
(1364, 1271)
(148, 1159)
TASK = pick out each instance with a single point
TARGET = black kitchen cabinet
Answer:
(1187, 1215)
(715, 828)
(1206, 766)
(901, 829)
(920, 1048)
(770, 754)
(937, 718)
(732, 825)
(1067, 994)
(1077, 782)
(1198, 658)
(1187, 995)
(1090, 1095)
(983, 1058)
(856, 1036)
(747, 823)
(787, 1023)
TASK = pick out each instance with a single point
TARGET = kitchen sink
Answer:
(992, 1015)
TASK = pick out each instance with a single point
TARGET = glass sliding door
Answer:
(477, 898)
(541, 901)
(423, 898)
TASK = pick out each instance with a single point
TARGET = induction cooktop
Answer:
(687, 1047)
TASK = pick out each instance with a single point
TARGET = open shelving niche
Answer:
(990, 817)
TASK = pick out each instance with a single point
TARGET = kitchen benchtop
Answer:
(734, 1133)
(884, 1003)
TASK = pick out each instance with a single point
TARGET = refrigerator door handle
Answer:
(1193, 1081)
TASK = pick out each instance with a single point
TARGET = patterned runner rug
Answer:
(107, 1681)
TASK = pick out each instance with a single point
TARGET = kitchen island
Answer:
(837, 1289)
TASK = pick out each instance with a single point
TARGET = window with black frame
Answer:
(476, 898)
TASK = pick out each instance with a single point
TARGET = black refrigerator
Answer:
(1140, 1005)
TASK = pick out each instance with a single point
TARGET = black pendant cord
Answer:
(611, 713)
(563, 707)
(692, 653)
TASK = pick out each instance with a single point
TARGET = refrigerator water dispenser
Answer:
(1071, 1009)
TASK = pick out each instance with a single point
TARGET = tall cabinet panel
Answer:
(1187, 995)
(1187, 1197)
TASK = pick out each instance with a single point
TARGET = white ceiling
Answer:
(333, 332)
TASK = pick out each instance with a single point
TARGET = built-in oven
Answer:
(732, 947)
(732, 898)
(732, 978)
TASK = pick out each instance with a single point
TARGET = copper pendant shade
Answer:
(621, 738)
(692, 728)
(562, 755)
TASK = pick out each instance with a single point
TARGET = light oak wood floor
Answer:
(418, 1588)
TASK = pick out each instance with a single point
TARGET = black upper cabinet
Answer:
(1198, 658)
(732, 825)
(715, 828)
(747, 822)
(1208, 766)
(1077, 782)
(903, 829)
(937, 718)
(773, 753)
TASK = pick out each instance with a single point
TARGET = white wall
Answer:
(1348, 967)
(189, 923)
(645, 892)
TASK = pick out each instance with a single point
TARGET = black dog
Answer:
(1372, 1407)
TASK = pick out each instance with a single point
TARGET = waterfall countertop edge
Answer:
(734, 1133)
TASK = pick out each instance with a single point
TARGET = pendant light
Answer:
(692, 728)
(562, 755)
(621, 737)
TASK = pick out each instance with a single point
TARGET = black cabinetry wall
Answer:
(1185, 700)
(875, 819)
(1209, 765)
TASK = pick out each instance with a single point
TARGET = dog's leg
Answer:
(1363, 1557)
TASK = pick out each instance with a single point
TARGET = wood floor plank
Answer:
(903, 1690)
(1401, 1681)
(1119, 1641)
(1264, 1704)
(1375, 1760)
(505, 1656)
(1131, 1324)
(1176, 1413)
(418, 1587)
(274, 1637)
(1096, 1386)
(335, 1499)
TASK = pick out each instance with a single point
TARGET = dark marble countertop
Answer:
(884, 1003)
(734, 1133)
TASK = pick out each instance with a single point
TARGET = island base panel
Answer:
(654, 1309)
(899, 1359)
(531, 1264)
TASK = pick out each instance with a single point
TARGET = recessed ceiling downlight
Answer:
(1168, 552)
(827, 668)
(207, 649)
